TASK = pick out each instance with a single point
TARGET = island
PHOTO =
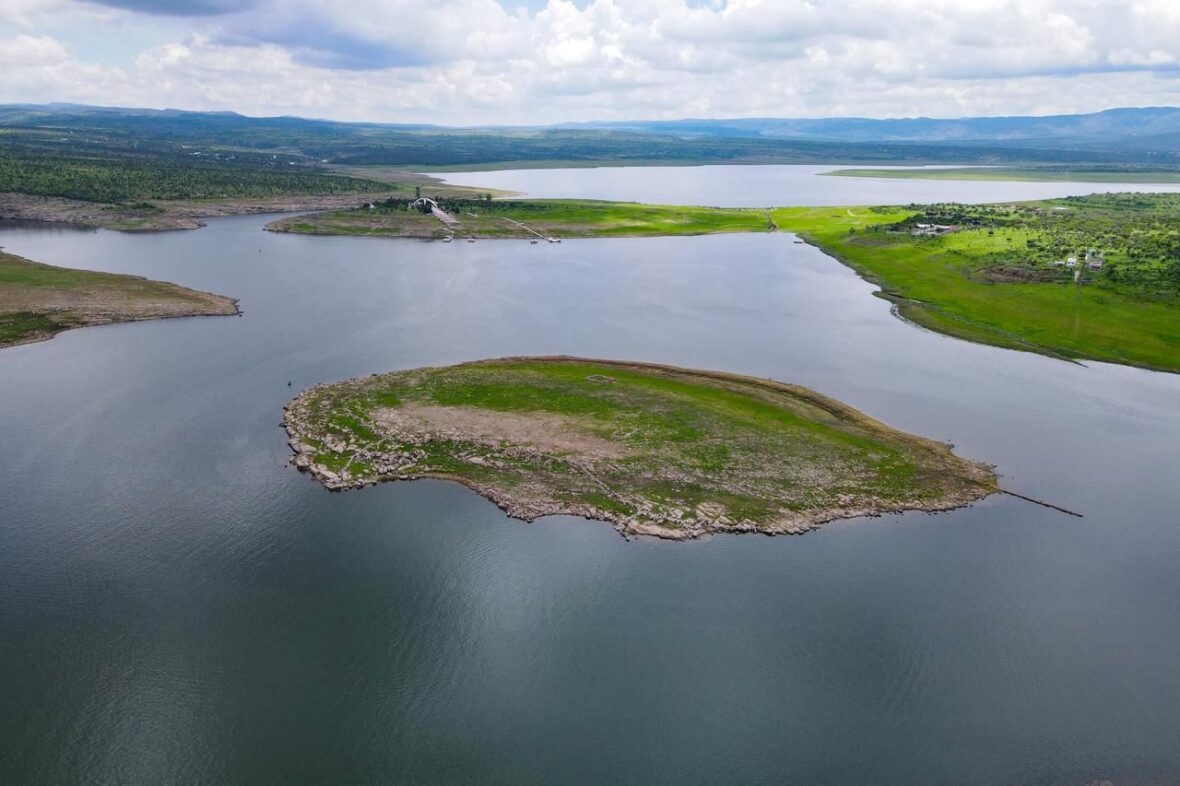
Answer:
(38, 301)
(655, 450)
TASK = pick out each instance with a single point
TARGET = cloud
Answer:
(376, 34)
(25, 14)
(34, 51)
(334, 48)
(180, 7)
(34, 69)
(483, 61)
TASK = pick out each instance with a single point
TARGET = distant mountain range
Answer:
(1145, 127)
(1116, 137)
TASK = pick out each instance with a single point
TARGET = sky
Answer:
(476, 62)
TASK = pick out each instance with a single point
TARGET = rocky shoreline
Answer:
(670, 527)
(231, 310)
(162, 215)
(644, 519)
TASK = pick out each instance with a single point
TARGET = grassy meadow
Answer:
(983, 283)
(38, 301)
(562, 218)
(654, 449)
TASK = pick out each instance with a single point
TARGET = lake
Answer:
(179, 605)
(768, 185)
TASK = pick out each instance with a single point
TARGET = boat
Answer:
(448, 238)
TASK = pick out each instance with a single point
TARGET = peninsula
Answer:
(524, 219)
(655, 450)
(39, 301)
(1079, 278)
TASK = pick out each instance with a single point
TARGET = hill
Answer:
(1134, 136)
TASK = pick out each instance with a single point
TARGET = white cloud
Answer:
(31, 51)
(27, 13)
(36, 69)
(473, 61)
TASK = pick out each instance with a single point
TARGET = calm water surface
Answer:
(177, 605)
(770, 185)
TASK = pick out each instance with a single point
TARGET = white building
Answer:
(932, 229)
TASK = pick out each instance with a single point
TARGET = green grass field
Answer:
(37, 301)
(654, 449)
(936, 282)
(566, 218)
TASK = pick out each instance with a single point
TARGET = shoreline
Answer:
(631, 529)
(1107, 176)
(935, 309)
(981, 481)
(40, 337)
(39, 301)
(164, 216)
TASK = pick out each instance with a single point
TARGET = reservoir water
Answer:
(769, 185)
(178, 605)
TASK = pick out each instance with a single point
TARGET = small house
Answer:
(932, 229)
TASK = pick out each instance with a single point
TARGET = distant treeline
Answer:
(116, 177)
(474, 148)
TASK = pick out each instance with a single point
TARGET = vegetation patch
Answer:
(1095, 277)
(119, 185)
(655, 450)
(38, 301)
(137, 179)
(537, 219)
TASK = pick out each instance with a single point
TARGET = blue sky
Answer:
(544, 61)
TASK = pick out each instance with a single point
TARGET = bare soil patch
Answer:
(543, 431)
(1015, 274)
